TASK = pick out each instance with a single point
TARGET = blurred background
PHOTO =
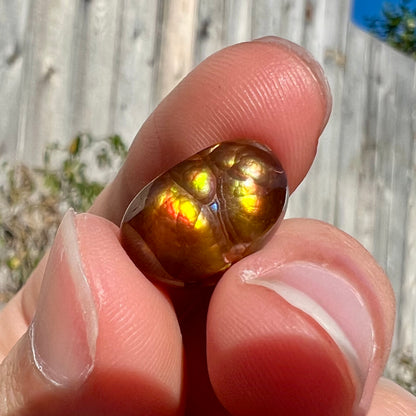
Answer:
(99, 67)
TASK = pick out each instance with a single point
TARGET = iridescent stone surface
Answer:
(193, 222)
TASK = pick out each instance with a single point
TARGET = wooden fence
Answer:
(101, 66)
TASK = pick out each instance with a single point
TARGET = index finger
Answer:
(269, 90)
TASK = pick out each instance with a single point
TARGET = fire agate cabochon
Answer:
(193, 222)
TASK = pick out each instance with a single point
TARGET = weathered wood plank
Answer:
(134, 85)
(398, 130)
(284, 18)
(211, 29)
(315, 197)
(384, 138)
(13, 25)
(354, 108)
(238, 21)
(95, 64)
(393, 158)
(46, 83)
(406, 324)
(176, 47)
(366, 189)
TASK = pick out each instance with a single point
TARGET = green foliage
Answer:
(396, 26)
(73, 180)
(403, 370)
(33, 201)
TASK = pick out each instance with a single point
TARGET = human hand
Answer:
(106, 341)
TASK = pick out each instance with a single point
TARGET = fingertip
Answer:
(323, 88)
(292, 305)
(256, 90)
(272, 92)
(391, 399)
(276, 353)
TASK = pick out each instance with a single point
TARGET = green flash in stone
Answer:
(190, 224)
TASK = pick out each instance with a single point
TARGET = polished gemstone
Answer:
(190, 224)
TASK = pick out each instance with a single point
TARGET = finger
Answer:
(305, 325)
(268, 90)
(392, 400)
(103, 341)
(16, 316)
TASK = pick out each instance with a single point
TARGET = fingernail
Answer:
(333, 303)
(64, 330)
(314, 67)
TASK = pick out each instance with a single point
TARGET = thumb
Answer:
(58, 350)
(95, 345)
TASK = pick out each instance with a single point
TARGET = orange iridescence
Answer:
(206, 213)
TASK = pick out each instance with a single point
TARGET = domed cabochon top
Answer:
(191, 223)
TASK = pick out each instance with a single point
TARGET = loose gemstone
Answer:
(190, 224)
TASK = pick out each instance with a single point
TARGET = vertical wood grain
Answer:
(95, 64)
(353, 135)
(211, 33)
(406, 324)
(284, 18)
(177, 31)
(238, 20)
(134, 84)
(43, 89)
(13, 26)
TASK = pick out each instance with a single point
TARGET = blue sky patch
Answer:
(364, 9)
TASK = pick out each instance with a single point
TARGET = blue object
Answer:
(363, 10)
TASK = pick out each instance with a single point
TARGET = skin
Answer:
(172, 352)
